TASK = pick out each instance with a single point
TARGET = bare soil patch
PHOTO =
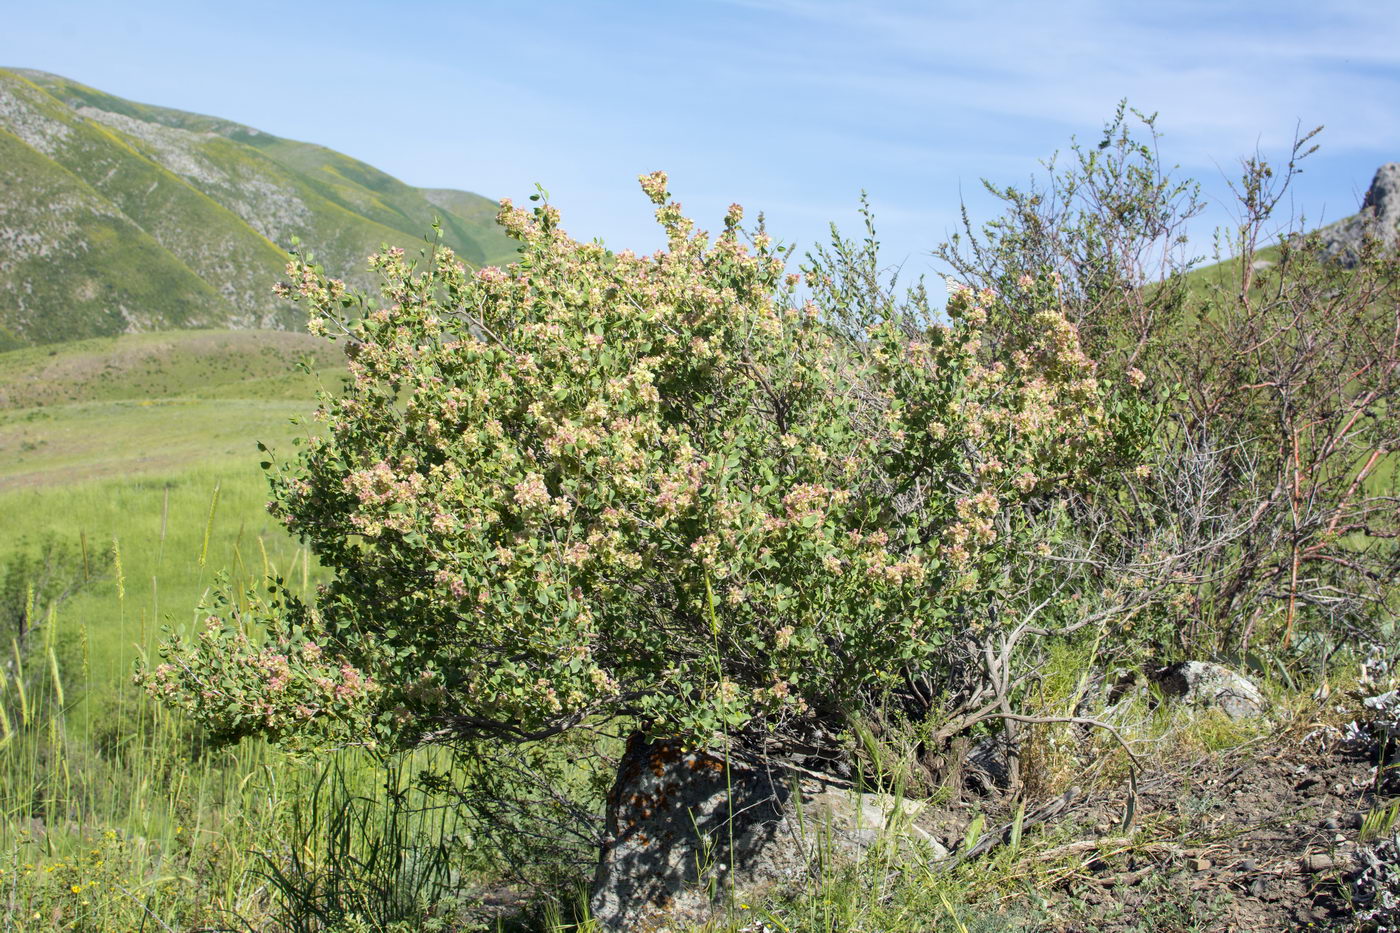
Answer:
(1261, 837)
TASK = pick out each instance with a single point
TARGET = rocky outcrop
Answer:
(1379, 217)
(1205, 684)
(690, 833)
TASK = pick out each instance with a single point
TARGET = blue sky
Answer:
(787, 106)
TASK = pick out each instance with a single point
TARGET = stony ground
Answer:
(1264, 836)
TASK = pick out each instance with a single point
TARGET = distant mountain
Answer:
(118, 217)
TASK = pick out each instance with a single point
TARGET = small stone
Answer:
(1200, 864)
(1248, 866)
(1317, 862)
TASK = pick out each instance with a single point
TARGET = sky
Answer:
(791, 107)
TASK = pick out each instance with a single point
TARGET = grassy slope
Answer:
(354, 185)
(468, 220)
(212, 241)
(171, 364)
(473, 210)
(119, 216)
(126, 439)
(361, 189)
(152, 403)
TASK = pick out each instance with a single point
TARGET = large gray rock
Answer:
(1205, 684)
(1379, 217)
(688, 836)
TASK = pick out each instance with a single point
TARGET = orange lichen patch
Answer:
(664, 755)
(706, 763)
(646, 805)
(642, 805)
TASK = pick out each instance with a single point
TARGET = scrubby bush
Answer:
(1266, 510)
(664, 487)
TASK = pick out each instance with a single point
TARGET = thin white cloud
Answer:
(1223, 75)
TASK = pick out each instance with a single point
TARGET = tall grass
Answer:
(116, 815)
(120, 820)
(371, 852)
(113, 814)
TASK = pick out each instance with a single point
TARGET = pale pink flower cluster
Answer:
(452, 582)
(654, 186)
(531, 493)
(351, 683)
(379, 484)
(812, 500)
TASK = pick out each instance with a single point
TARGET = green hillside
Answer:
(119, 217)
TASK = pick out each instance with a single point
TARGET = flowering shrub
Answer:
(600, 483)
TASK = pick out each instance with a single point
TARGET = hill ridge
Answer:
(209, 199)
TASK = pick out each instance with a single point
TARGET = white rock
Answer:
(1206, 684)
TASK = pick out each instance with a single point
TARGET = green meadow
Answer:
(139, 453)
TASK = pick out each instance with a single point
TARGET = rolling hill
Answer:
(119, 217)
